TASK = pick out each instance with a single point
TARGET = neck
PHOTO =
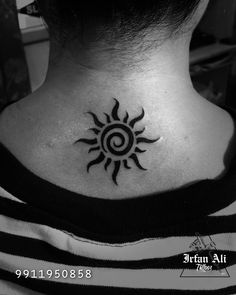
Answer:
(96, 76)
(169, 60)
(174, 114)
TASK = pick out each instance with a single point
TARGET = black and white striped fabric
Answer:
(132, 246)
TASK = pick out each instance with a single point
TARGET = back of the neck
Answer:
(96, 75)
(50, 130)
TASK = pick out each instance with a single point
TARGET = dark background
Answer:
(14, 78)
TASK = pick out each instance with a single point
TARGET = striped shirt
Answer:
(53, 241)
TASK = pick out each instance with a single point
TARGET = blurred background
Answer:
(24, 51)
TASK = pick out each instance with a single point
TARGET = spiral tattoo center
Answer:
(117, 139)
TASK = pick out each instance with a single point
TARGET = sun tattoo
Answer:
(116, 141)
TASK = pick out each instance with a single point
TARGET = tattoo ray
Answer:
(115, 172)
(96, 148)
(146, 140)
(136, 161)
(115, 111)
(108, 162)
(108, 118)
(88, 141)
(126, 118)
(135, 120)
(96, 121)
(95, 130)
(138, 150)
(125, 162)
(139, 132)
(98, 160)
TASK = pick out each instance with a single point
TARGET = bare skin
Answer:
(43, 130)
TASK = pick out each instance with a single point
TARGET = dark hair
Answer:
(119, 19)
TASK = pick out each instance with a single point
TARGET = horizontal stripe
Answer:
(206, 226)
(6, 195)
(229, 210)
(51, 288)
(9, 288)
(20, 246)
(143, 249)
(150, 278)
(82, 211)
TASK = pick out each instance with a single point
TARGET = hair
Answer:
(115, 21)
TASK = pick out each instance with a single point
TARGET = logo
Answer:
(30, 10)
(204, 260)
